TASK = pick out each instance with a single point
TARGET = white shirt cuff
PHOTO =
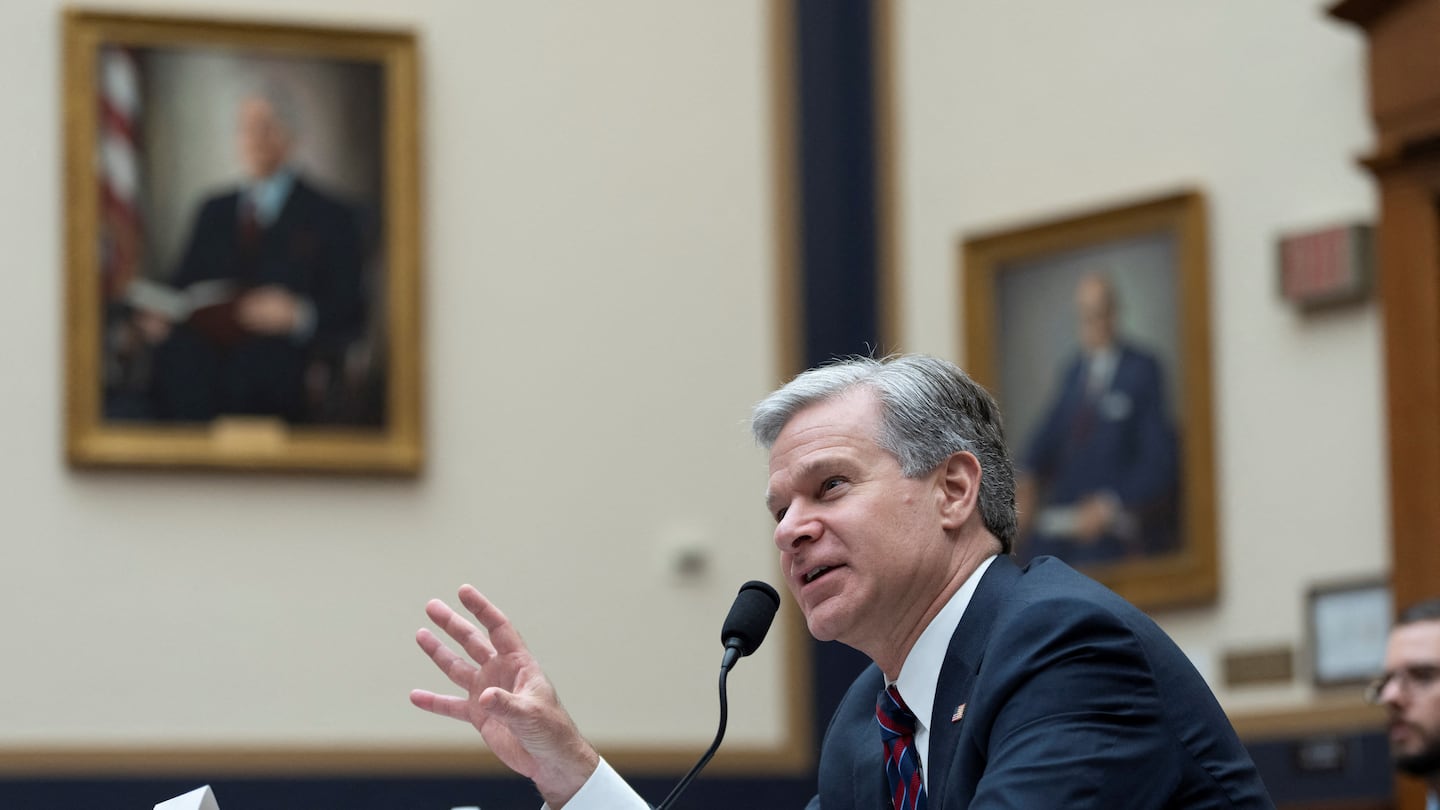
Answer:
(604, 790)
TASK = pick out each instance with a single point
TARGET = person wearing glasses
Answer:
(1410, 692)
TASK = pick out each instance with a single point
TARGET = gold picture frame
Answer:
(174, 357)
(1116, 477)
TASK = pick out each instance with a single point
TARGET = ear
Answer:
(958, 487)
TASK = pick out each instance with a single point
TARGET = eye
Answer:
(780, 514)
(831, 483)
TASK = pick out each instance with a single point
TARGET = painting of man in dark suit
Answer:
(242, 245)
(284, 260)
(1100, 473)
(258, 291)
(1093, 332)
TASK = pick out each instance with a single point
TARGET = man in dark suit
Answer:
(1102, 467)
(991, 686)
(276, 268)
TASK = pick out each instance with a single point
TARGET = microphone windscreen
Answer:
(750, 617)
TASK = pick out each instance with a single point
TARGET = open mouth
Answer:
(815, 573)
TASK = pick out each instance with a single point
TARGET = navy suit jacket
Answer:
(1120, 442)
(313, 248)
(1073, 698)
(209, 366)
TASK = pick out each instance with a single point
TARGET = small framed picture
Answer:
(242, 245)
(1349, 623)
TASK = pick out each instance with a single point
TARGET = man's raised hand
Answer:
(507, 697)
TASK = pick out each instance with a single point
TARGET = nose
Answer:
(796, 528)
(1391, 694)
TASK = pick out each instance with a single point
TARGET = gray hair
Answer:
(279, 96)
(930, 410)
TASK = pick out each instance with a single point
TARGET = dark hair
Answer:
(930, 410)
(1425, 611)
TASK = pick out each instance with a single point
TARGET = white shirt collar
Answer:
(1101, 369)
(268, 195)
(920, 673)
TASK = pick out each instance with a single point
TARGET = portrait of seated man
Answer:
(1100, 473)
(268, 292)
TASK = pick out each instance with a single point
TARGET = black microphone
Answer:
(748, 622)
(745, 627)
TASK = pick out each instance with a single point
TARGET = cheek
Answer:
(1429, 713)
(786, 561)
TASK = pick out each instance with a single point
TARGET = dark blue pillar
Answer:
(839, 275)
(836, 131)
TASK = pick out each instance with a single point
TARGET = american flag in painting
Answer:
(121, 226)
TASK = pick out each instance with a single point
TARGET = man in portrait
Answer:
(269, 289)
(1100, 475)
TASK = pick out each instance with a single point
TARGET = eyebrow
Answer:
(1415, 666)
(808, 469)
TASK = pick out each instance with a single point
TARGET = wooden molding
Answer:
(213, 761)
(1333, 716)
(1362, 12)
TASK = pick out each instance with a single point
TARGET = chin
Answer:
(823, 624)
(1423, 762)
(819, 634)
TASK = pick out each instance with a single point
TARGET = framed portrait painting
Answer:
(242, 281)
(1092, 332)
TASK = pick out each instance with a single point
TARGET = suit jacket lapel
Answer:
(962, 661)
(864, 786)
(872, 786)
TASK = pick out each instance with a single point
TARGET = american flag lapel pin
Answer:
(959, 713)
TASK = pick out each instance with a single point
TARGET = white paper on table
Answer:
(201, 798)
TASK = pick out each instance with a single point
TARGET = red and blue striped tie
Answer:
(902, 761)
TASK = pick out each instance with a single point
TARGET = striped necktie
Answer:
(902, 761)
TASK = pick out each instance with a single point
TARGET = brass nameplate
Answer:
(1265, 665)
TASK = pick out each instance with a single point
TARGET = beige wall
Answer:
(598, 279)
(1016, 112)
(598, 320)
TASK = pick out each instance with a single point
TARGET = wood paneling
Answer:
(1404, 86)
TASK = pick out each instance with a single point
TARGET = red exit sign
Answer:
(1329, 266)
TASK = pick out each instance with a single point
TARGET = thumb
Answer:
(502, 705)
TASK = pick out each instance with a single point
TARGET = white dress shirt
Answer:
(1100, 370)
(605, 790)
(267, 195)
(920, 673)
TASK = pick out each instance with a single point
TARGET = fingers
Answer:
(503, 635)
(467, 635)
(443, 705)
(482, 647)
(460, 672)
(494, 703)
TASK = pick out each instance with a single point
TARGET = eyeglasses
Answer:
(1409, 679)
